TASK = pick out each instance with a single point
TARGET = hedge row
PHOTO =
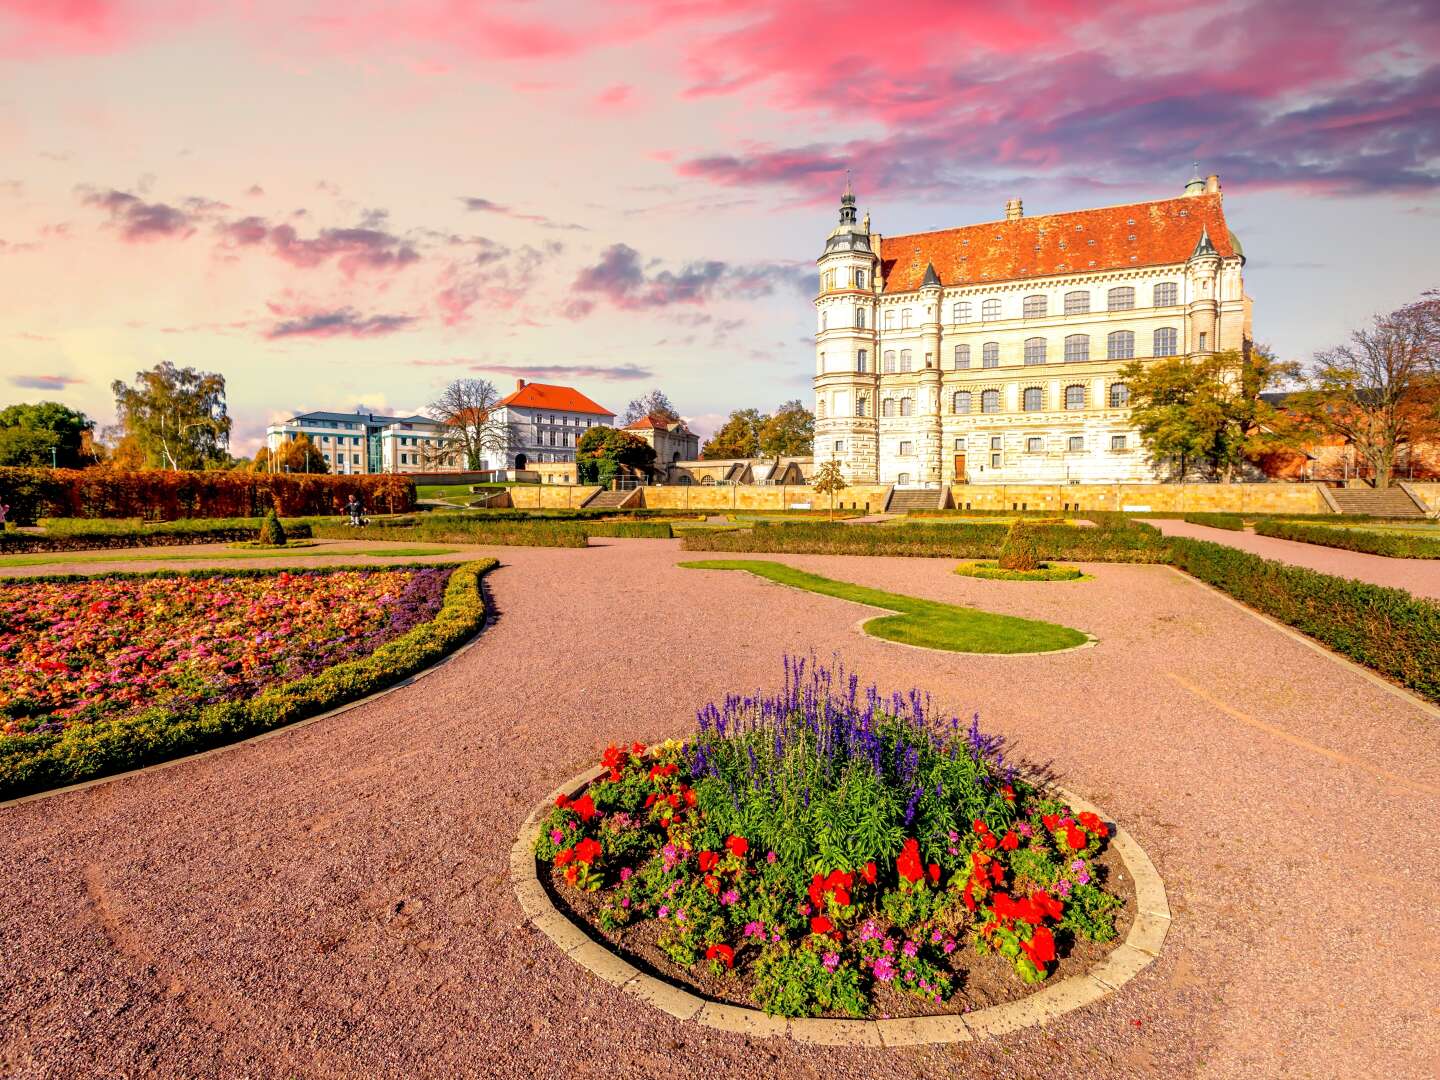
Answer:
(459, 529)
(1232, 522)
(1389, 630)
(159, 495)
(81, 534)
(30, 763)
(1395, 545)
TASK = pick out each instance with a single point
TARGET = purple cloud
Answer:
(44, 382)
(338, 322)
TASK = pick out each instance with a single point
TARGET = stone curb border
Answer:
(1089, 643)
(1141, 946)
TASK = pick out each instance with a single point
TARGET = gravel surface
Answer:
(1419, 576)
(334, 901)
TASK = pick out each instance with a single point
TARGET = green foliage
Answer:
(602, 451)
(738, 437)
(1396, 545)
(791, 980)
(79, 534)
(1021, 549)
(1232, 522)
(992, 571)
(633, 530)
(749, 433)
(45, 433)
(175, 417)
(272, 533)
(1090, 912)
(30, 763)
(464, 529)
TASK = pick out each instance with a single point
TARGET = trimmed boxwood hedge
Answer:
(31, 763)
(1233, 522)
(1395, 545)
(1389, 630)
(83, 534)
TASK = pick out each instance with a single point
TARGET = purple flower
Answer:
(830, 961)
(729, 896)
(664, 912)
(884, 969)
(909, 948)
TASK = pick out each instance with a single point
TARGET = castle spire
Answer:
(847, 202)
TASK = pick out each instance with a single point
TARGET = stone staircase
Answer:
(612, 500)
(903, 500)
(1377, 502)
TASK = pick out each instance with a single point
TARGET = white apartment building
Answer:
(992, 353)
(357, 442)
(544, 423)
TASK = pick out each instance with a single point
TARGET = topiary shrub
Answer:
(1021, 550)
(272, 533)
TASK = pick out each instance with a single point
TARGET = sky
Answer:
(351, 204)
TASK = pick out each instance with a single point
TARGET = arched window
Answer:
(907, 406)
(904, 318)
(1120, 345)
(860, 318)
(961, 312)
(990, 354)
(962, 356)
(1035, 350)
(990, 309)
(1077, 302)
(890, 320)
(704, 480)
(862, 403)
(1165, 295)
(1077, 348)
(862, 360)
(827, 281)
(889, 361)
(1075, 396)
(824, 319)
(960, 403)
(1119, 395)
(1033, 400)
(1036, 307)
(1166, 341)
(905, 360)
(1120, 298)
(820, 409)
(990, 401)
(887, 407)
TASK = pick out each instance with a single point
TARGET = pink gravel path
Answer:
(334, 902)
(1419, 576)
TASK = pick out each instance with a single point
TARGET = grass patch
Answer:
(253, 553)
(1231, 522)
(1394, 543)
(926, 623)
(993, 571)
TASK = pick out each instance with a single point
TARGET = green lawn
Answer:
(127, 555)
(927, 623)
(1405, 528)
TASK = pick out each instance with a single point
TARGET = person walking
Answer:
(355, 510)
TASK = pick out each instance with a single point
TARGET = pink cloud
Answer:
(304, 320)
(34, 28)
(615, 97)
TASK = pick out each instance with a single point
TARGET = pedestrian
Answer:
(355, 510)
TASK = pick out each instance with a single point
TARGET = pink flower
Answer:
(884, 969)
(830, 961)
(729, 896)
(770, 856)
(754, 929)
(909, 948)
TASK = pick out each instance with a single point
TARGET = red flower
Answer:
(649, 800)
(562, 801)
(1094, 824)
(1052, 821)
(821, 925)
(571, 873)
(817, 891)
(979, 827)
(723, 953)
(997, 873)
(738, 846)
(908, 864)
(1008, 792)
(869, 873)
(1047, 905)
(1010, 841)
(586, 850)
(584, 806)
(1040, 948)
(708, 859)
(969, 894)
(689, 797)
(674, 800)
(989, 841)
(637, 748)
(712, 884)
(613, 756)
(934, 871)
(1075, 838)
(563, 857)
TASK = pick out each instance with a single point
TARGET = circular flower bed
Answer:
(1044, 572)
(831, 852)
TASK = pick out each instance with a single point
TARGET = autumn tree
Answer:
(472, 430)
(297, 455)
(739, 437)
(788, 432)
(603, 451)
(655, 403)
(46, 433)
(1380, 391)
(174, 418)
(829, 480)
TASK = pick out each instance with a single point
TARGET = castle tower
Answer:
(845, 354)
(932, 466)
(1203, 270)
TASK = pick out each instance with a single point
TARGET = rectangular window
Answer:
(905, 360)
(963, 311)
(860, 318)
(990, 354)
(1121, 298)
(1077, 303)
(990, 309)
(960, 444)
(906, 449)
(1035, 350)
(995, 442)
(1165, 294)
(889, 361)
(1035, 307)
(862, 361)
(1077, 348)
(962, 356)
(905, 318)
(1203, 335)
(1076, 444)
(1034, 444)
(1117, 442)
(839, 446)
(994, 461)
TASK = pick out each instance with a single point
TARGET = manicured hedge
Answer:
(30, 763)
(80, 534)
(161, 495)
(1389, 630)
(1232, 522)
(1395, 545)
(461, 529)
(642, 530)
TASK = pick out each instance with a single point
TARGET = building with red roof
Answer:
(545, 422)
(992, 353)
(668, 436)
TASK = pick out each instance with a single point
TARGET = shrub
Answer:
(1388, 630)
(272, 533)
(1044, 572)
(460, 529)
(1232, 522)
(78, 534)
(1020, 550)
(643, 530)
(1395, 545)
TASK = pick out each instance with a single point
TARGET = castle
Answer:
(992, 353)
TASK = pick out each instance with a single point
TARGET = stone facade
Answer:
(671, 440)
(992, 353)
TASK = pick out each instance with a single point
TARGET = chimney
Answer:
(1014, 210)
(519, 384)
(1212, 183)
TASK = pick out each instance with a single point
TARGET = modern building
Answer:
(992, 353)
(364, 442)
(544, 423)
(671, 439)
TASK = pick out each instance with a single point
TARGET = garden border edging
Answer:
(1139, 949)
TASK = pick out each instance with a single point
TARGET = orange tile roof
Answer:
(560, 398)
(658, 421)
(1139, 234)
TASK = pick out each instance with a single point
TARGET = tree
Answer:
(297, 455)
(829, 481)
(1207, 413)
(738, 438)
(1380, 392)
(790, 432)
(653, 403)
(603, 451)
(472, 429)
(175, 416)
(47, 433)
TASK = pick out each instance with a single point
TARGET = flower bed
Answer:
(108, 673)
(829, 852)
(993, 571)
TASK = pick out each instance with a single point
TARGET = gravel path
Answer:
(1419, 576)
(334, 902)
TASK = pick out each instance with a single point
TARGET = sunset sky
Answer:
(337, 204)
